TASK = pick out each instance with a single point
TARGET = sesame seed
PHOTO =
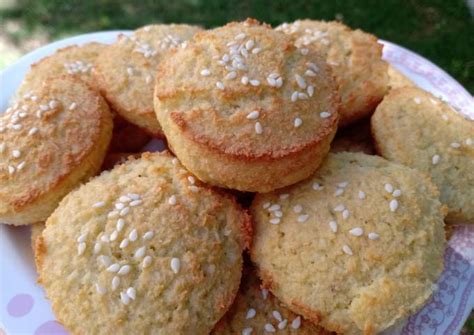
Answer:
(97, 247)
(100, 289)
(277, 315)
(254, 82)
(373, 236)
(303, 218)
(324, 115)
(264, 293)
(135, 203)
(302, 96)
(146, 262)
(132, 293)
(81, 248)
(120, 224)
(247, 331)
(98, 204)
(296, 323)
(104, 238)
(312, 66)
(345, 214)
(119, 205)
(356, 231)
(133, 235)
(124, 298)
(397, 193)
(361, 195)
(21, 166)
(205, 72)
(124, 198)
(339, 191)
(115, 283)
(148, 235)
(393, 205)
(134, 196)
(245, 80)
(469, 141)
(53, 104)
(274, 207)
(282, 324)
(435, 159)
(417, 100)
(249, 44)
(140, 252)
(256, 50)
(220, 85)
(300, 81)
(124, 243)
(333, 226)
(130, 71)
(275, 221)
(175, 264)
(266, 205)
(172, 200)
(105, 260)
(253, 115)
(455, 145)
(297, 208)
(250, 313)
(269, 328)
(113, 268)
(339, 208)
(240, 36)
(112, 214)
(113, 236)
(310, 90)
(258, 128)
(343, 184)
(32, 131)
(44, 108)
(125, 211)
(11, 169)
(2, 147)
(298, 122)
(347, 249)
(191, 179)
(125, 269)
(294, 96)
(388, 188)
(317, 187)
(148, 79)
(16, 126)
(82, 238)
(310, 73)
(278, 214)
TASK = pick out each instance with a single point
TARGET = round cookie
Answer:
(256, 311)
(74, 60)
(416, 129)
(354, 138)
(355, 58)
(125, 71)
(396, 79)
(145, 248)
(354, 248)
(50, 142)
(242, 108)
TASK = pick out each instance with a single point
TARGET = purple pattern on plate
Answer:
(51, 328)
(20, 305)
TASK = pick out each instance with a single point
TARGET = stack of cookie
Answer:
(271, 184)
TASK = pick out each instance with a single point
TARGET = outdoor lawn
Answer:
(440, 30)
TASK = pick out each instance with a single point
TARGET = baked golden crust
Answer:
(256, 311)
(354, 248)
(416, 129)
(50, 142)
(354, 138)
(74, 60)
(396, 79)
(177, 245)
(125, 71)
(241, 119)
(355, 58)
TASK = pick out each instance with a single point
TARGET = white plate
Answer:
(24, 310)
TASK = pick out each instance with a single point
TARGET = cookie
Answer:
(354, 138)
(256, 311)
(416, 129)
(242, 108)
(396, 79)
(50, 142)
(355, 58)
(145, 248)
(125, 71)
(356, 247)
(74, 60)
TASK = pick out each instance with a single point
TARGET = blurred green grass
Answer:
(440, 30)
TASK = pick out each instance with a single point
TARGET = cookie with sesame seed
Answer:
(396, 79)
(50, 142)
(416, 129)
(354, 138)
(74, 60)
(146, 248)
(125, 71)
(355, 58)
(356, 247)
(242, 108)
(256, 311)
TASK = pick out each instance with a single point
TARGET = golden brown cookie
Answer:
(356, 247)
(242, 108)
(144, 248)
(354, 138)
(256, 311)
(125, 71)
(396, 79)
(50, 142)
(416, 129)
(355, 58)
(74, 60)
